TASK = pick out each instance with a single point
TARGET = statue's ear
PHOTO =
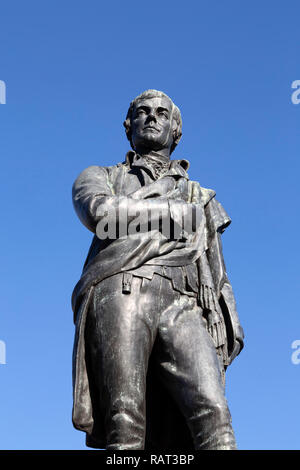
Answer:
(174, 127)
(176, 133)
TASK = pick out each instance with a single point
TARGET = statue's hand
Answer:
(216, 327)
(159, 188)
(181, 191)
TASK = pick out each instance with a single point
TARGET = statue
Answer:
(155, 315)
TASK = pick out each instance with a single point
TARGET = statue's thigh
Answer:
(186, 357)
(120, 330)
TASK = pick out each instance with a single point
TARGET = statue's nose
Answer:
(151, 117)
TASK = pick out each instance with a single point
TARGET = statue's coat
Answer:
(105, 259)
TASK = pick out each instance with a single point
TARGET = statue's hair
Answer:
(175, 113)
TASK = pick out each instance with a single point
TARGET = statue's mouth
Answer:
(152, 128)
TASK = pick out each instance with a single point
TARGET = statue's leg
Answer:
(119, 336)
(190, 369)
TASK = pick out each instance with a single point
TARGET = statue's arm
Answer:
(217, 221)
(89, 189)
(93, 198)
(228, 304)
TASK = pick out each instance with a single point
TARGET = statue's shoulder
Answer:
(101, 169)
(216, 216)
(200, 194)
(117, 167)
(207, 194)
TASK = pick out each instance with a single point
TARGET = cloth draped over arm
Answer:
(215, 292)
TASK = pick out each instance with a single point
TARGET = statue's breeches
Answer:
(122, 331)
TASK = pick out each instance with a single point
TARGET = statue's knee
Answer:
(221, 412)
(212, 411)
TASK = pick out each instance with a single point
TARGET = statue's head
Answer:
(153, 122)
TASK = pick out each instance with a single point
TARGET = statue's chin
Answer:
(152, 143)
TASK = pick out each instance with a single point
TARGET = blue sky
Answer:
(71, 68)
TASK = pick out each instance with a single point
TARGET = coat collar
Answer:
(176, 168)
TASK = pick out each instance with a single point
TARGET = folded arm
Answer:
(93, 196)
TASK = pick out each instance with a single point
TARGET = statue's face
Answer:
(152, 124)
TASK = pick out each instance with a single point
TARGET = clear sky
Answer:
(71, 68)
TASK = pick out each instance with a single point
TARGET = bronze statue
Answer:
(155, 315)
